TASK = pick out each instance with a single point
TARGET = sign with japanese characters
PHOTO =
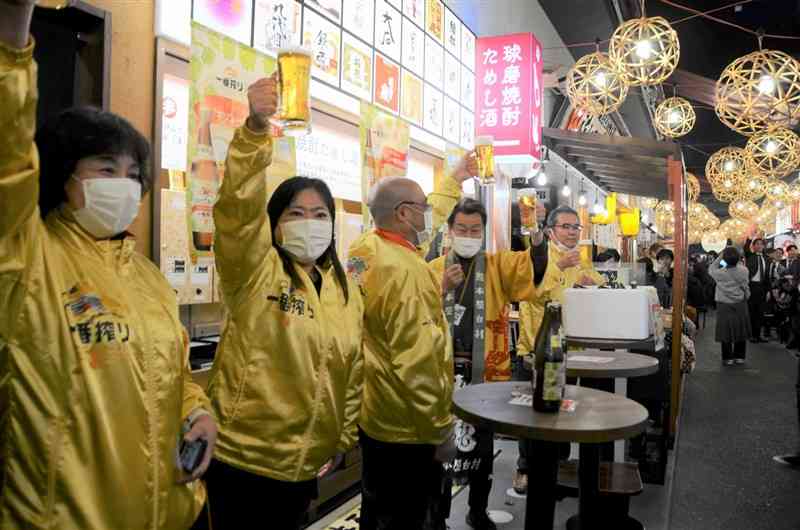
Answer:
(358, 18)
(330, 8)
(452, 33)
(467, 130)
(323, 39)
(411, 104)
(434, 63)
(467, 88)
(356, 67)
(509, 93)
(452, 76)
(434, 110)
(452, 119)
(413, 48)
(174, 122)
(467, 48)
(276, 25)
(387, 84)
(388, 30)
(434, 19)
(415, 11)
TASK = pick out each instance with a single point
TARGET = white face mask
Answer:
(306, 240)
(110, 205)
(467, 247)
(425, 235)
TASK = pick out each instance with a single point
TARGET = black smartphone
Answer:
(191, 454)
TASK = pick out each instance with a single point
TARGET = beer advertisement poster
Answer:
(232, 18)
(332, 9)
(356, 67)
(434, 63)
(276, 25)
(387, 84)
(415, 11)
(452, 33)
(434, 19)
(413, 48)
(411, 96)
(452, 120)
(221, 71)
(323, 38)
(358, 18)
(433, 107)
(388, 30)
(174, 122)
(385, 141)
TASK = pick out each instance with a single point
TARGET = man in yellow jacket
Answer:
(478, 289)
(406, 424)
(94, 384)
(565, 270)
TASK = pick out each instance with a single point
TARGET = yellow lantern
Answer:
(743, 209)
(674, 117)
(777, 193)
(596, 85)
(629, 222)
(773, 153)
(647, 50)
(692, 186)
(754, 187)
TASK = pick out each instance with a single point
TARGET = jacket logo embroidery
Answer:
(291, 304)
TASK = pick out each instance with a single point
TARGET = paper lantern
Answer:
(692, 186)
(773, 153)
(629, 222)
(674, 117)
(596, 85)
(647, 50)
(758, 91)
(743, 209)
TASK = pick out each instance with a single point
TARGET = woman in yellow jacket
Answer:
(94, 383)
(287, 382)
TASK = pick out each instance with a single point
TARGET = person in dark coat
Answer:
(733, 320)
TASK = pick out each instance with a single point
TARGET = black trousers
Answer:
(238, 499)
(757, 305)
(734, 350)
(397, 483)
(797, 389)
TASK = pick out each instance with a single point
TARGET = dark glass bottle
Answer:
(550, 368)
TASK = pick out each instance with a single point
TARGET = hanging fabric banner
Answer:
(385, 141)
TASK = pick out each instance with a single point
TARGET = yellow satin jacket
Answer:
(408, 376)
(287, 381)
(552, 286)
(94, 381)
(509, 278)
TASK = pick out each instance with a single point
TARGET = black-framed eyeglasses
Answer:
(567, 226)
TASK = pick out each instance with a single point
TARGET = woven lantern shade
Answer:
(773, 153)
(714, 240)
(743, 209)
(665, 218)
(596, 85)
(754, 187)
(695, 235)
(735, 229)
(674, 117)
(649, 202)
(794, 192)
(647, 50)
(766, 215)
(777, 193)
(727, 162)
(692, 186)
(758, 91)
(729, 190)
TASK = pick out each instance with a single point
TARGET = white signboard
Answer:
(332, 153)
(434, 110)
(413, 48)
(323, 38)
(467, 48)
(276, 25)
(452, 76)
(234, 19)
(415, 11)
(467, 129)
(452, 33)
(330, 8)
(356, 67)
(174, 20)
(434, 62)
(388, 30)
(467, 88)
(174, 122)
(358, 18)
(452, 120)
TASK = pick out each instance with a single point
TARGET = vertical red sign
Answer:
(508, 99)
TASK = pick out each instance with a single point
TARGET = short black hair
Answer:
(731, 256)
(280, 200)
(82, 132)
(665, 253)
(467, 206)
(757, 240)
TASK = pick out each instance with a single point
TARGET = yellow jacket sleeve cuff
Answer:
(16, 56)
(450, 187)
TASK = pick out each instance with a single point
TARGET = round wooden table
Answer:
(623, 364)
(599, 417)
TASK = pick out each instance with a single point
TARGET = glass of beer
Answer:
(294, 103)
(585, 248)
(484, 149)
(527, 211)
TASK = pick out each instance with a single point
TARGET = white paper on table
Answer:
(590, 359)
(525, 400)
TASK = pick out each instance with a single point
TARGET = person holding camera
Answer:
(733, 290)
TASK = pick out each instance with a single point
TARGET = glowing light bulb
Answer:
(753, 184)
(597, 209)
(566, 191)
(600, 79)
(644, 49)
(729, 165)
(541, 180)
(770, 147)
(674, 117)
(728, 183)
(766, 85)
(582, 199)
(645, 218)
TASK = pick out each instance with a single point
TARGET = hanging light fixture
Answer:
(597, 209)
(754, 187)
(646, 49)
(566, 191)
(726, 172)
(596, 85)
(743, 209)
(692, 186)
(582, 197)
(649, 202)
(774, 153)
(675, 117)
(777, 193)
(759, 91)
(541, 178)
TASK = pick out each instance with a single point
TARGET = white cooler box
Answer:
(626, 314)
